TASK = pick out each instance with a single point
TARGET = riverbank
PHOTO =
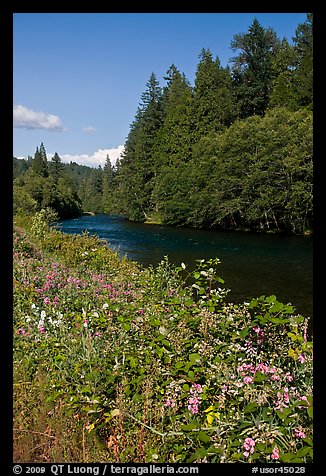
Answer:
(252, 264)
(114, 362)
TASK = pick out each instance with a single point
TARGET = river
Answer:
(252, 264)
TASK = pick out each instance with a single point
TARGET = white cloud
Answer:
(94, 160)
(29, 119)
(89, 130)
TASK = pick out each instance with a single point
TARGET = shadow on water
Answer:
(251, 264)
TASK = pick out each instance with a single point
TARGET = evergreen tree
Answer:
(39, 165)
(214, 105)
(303, 64)
(283, 92)
(90, 191)
(252, 68)
(175, 138)
(44, 159)
(56, 167)
(107, 186)
(293, 70)
(138, 165)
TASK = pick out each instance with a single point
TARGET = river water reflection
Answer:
(251, 264)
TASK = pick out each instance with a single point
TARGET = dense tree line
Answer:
(39, 183)
(69, 189)
(233, 151)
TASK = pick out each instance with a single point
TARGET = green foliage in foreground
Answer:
(117, 363)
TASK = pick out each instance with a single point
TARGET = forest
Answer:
(232, 151)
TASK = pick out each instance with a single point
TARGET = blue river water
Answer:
(252, 264)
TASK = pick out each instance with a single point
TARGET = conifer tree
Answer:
(56, 167)
(107, 185)
(252, 68)
(303, 64)
(138, 164)
(39, 165)
(175, 139)
(214, 105)
(44, 159)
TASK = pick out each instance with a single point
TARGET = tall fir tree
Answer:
(107, 186)
(39, 165)
(214, 107)
(303, 64)
(252, 68)
(175, 139)
(138, 165)
(56, 167)
(44, 159)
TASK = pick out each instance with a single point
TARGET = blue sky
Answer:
(78, 77)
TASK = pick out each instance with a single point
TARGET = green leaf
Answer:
(308, 440)
(189, 426)
(271, 298)
(277, 307)
(203, 437)
(236, 455)
(255, 456)
(253, 303)
(194, 357)
(303, 451)
(200, 453)
(251, 407)
(287, 457)
(259, 377)
(260, 447)
(244, 332)
(283, 415)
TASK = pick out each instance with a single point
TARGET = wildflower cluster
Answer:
(249, 447)
(194, 399)
(135, 356)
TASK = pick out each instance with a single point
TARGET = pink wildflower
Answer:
(286, 395)
(249, 446)
(248, 379)
(298, 433)
(288, 377)
(301, 358)
(196, 388)
(275, 377)
(283, 399)
(275, 453)
(194, 400)
(41, 329)
(170, 402)
(260, 333)
(262, 367)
